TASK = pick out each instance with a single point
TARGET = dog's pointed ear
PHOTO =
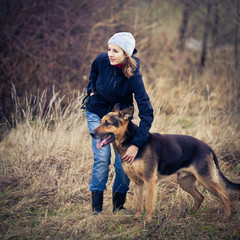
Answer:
(127, 113)
(116, 108)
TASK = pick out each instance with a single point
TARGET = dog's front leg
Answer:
(138, 197)
(151, 194)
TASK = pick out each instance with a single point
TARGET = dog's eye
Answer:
(106, 123)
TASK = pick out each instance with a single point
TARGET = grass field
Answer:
(46, 158)
(46, 165)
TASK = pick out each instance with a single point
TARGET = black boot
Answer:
(118, 200)
(97, 202)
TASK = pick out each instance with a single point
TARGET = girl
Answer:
(115, 78)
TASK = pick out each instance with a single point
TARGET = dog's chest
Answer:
(134, 170)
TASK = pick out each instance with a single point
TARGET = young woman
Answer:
(115, 78)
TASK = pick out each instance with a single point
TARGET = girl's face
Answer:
(116, 54)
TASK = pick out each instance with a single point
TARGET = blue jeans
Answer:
(102, 159)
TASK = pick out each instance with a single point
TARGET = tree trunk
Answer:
(215, 28)
(236, 36)
(205, 36)
(184, 25)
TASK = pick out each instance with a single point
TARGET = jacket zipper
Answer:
(112, 83)
(115, 74)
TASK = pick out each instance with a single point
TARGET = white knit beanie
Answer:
(124, 40)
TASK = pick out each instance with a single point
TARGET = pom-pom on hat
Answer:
(124, 40)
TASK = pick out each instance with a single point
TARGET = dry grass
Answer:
(46, 161)
(46, 166)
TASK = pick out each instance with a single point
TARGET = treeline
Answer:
(220, 25)
(50, 42)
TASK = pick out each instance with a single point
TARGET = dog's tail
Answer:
(228, 184)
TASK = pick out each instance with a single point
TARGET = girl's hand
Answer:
(130, 154)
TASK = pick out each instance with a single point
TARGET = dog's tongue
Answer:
(101, 142)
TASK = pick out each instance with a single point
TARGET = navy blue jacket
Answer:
(111, 86)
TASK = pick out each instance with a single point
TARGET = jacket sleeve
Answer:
(91, 87)
(145, 110)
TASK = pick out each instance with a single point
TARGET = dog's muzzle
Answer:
(104, 139)
(93, 134)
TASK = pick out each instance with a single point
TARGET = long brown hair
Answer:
(129, 65)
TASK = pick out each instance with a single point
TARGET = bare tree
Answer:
(205, 36)
(215, 28)
(236, 35)
(46, 43)
(184, 24)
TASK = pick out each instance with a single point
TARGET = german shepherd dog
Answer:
(162, 155)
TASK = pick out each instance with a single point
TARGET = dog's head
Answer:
(113, 126)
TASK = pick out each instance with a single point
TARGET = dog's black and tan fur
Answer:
(162, 155)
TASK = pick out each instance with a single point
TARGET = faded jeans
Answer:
(102, 160)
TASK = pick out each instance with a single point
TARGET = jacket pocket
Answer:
(84, 102)
(97, 104)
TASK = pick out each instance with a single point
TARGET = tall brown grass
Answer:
(46, 159)
(46, 165)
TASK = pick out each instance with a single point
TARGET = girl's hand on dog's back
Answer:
(130, 154)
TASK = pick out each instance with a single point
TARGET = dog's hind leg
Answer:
(210, 179)
(151, 194)
(138, 197)
(216, 188)
(187, 181)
